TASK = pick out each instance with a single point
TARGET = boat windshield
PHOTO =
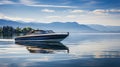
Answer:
(41, 32)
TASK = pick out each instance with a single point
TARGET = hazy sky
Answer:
(105, 12)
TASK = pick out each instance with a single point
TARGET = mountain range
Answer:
(62, 27)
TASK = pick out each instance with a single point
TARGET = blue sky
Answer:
(105, 12)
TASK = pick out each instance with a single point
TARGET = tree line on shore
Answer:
(12, 30)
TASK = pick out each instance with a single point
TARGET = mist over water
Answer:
(77, 50)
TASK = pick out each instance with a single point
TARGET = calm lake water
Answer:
(77, 50)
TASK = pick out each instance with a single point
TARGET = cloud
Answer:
(71, 16)
(2, 16)
(98, 11)
(6, 2)
(53, 17)
(114, 10)
(37, 4)
(27, 2)
(77, 11)
(105, 11)
(33, 3)
(44, 5)
(48, 10)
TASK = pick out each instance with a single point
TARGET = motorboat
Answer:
(43, 35)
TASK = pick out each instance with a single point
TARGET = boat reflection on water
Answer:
(43, 47)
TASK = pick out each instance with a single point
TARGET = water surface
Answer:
(77, 50)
